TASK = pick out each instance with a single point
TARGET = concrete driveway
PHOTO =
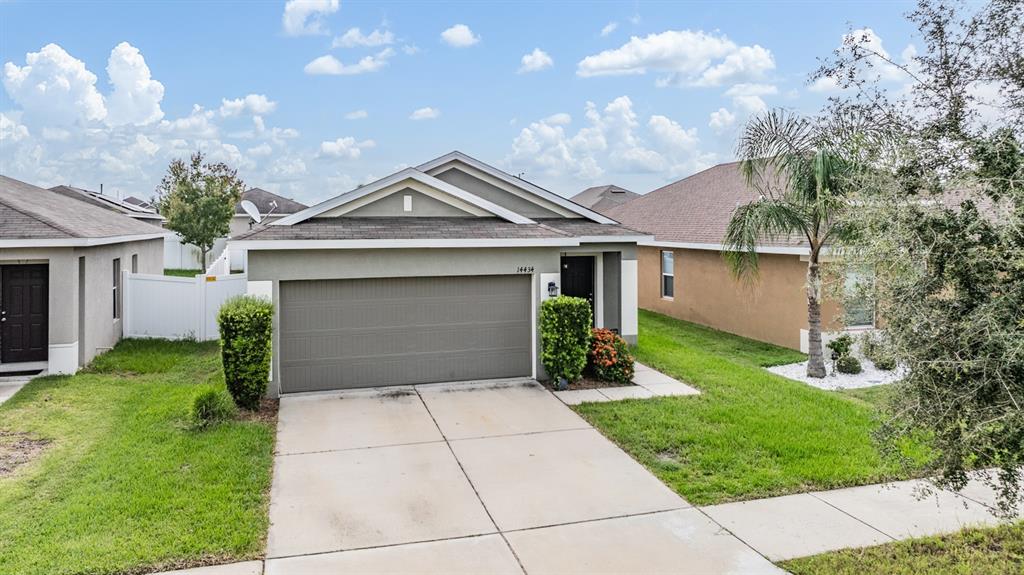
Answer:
(474, 478)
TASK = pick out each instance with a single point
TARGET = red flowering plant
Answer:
(609, 357)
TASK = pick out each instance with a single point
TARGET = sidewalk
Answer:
(647, 383)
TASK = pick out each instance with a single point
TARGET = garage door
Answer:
(339, 334)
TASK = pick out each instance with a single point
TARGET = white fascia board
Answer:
(784, 250)
(253, 245)
(615, 239)
(406, 174)
(519, 183)
(78, 242)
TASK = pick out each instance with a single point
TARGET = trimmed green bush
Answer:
(841, 346)
(884, 362)
(876, 349)
(211, 407)
(565, 336)
(609, 357)
(246, 324)
(848, 364)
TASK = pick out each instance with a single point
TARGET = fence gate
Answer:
(175, 307)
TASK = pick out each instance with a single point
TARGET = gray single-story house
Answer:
(60, 276)
(271, 207)
(434, 273)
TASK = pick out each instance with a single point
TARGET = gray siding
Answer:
(393, 205)
(338, 334)
(612, 289)
(495, 194)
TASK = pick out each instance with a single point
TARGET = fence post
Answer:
(126, 303)
(201, 311)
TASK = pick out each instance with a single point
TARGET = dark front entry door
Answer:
(23, 313)
(578, 277)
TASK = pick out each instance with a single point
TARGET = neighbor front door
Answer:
(578, 277)
(23, 313)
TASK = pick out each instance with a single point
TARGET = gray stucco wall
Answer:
(612, 288)
(394, 205)
(101, 330)
(495, 194)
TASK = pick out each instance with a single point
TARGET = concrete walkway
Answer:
(647, 383)
(504, 478)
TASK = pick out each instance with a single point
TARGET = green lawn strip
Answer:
(750, 434)
(126, 484)
(988, 551)
(182, 273)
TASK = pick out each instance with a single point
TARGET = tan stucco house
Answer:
(60, 276)
(682, 272)
(434, 273)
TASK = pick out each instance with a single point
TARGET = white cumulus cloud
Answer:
(459, 36)
(427, 113)
(251, 103)
(535, 61)
(331, 66)
(54, 88)
(683, 57)
(354, 37)
(136, 96)
(10, 130)
(306, 17)
(346, 147)
(609, 28)
(721, 119)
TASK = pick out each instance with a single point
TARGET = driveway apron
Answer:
(490, 477)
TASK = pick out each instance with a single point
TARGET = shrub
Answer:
(246, 324)
(884, 362)
(848, 364)
(609, 357)
(211, 407)
(876, 349)
(841, 346)
(565, 336)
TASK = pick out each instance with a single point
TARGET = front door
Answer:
(578, 277)
(23, 313)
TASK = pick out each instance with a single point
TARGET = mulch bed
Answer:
(588, 382)
(17, 449)
(267, 413)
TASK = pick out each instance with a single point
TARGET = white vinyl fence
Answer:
(181, 256)
(174, 307)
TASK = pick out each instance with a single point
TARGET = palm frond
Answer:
(751, 223)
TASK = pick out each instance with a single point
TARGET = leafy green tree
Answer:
(940, 221)
(791, 162)
(198, 199)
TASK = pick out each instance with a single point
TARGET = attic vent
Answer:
(618, 191)
(407, 203)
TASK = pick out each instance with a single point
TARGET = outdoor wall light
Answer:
(552, 289)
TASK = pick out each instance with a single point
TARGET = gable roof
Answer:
(108, 202)
(263, 201)
(696, 210)
(47, 217)
(602, 198)
(397, 178)
(519, 183)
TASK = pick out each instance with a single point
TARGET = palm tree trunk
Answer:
(815, 358)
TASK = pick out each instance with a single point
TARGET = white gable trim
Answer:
(368, 199)
(403, 175)
(79, 242)
(518, 183)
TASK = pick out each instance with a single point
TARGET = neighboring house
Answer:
(683, 274)
(603, 198)
(123, 207)
(434, 273)
(60, 276)
(270, 205)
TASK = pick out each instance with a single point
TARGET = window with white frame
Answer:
(859, 305)
(668, 278)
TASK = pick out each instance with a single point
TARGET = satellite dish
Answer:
(250, 208)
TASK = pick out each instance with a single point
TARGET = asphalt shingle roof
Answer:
(29, 212)
(601, 198)
(696, 209)
(400, 228)
(263, 198)
(107, 202)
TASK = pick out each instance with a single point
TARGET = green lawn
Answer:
(182, 273)
(992, 551)
(750, 434)
(125, 484)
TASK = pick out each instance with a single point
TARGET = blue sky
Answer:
(568, 94)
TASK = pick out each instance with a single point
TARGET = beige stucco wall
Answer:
(772, 308)
(101, 331)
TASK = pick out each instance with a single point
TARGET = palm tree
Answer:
(790, 162)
